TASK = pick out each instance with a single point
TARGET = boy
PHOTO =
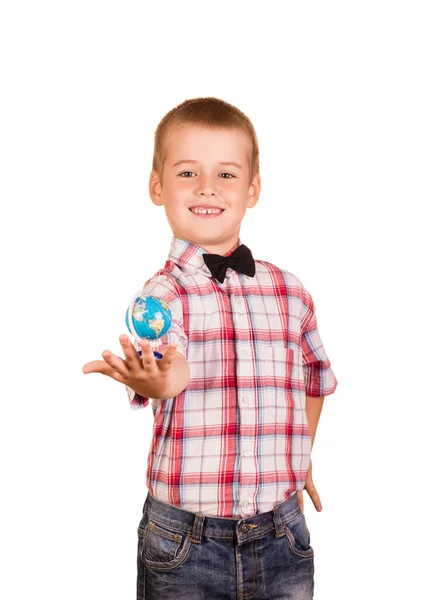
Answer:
(237, 396)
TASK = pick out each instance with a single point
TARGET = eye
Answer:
(184, 173)
(231, 176)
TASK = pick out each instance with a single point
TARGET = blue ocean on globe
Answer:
(151, 317)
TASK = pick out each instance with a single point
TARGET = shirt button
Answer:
(246, 399)
(244, 352)
(238, 299)
(248, 453)
(245, 504)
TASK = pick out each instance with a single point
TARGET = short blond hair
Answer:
(207, 112)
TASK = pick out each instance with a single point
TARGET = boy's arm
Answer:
(319, 378)
(313, 412)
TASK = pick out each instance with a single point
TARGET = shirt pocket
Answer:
(274, 374)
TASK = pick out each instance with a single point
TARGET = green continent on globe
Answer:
(156, 325)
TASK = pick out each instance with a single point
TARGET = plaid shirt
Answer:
(235, 441)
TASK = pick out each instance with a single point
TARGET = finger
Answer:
(94, 366)
(132, 357)
(148, 359)
(100, 366)
(165, 362)
(315, 497)
(115, 362)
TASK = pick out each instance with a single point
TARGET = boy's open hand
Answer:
(311, 490)
(145, 375)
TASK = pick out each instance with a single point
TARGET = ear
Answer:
(155, 188)
(254, 191)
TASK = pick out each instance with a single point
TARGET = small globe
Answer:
(151, 317)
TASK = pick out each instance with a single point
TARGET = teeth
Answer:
(208, 211)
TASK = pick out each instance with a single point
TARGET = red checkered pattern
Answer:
(235, 441)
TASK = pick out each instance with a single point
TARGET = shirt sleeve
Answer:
(162, 287)
(318, 375)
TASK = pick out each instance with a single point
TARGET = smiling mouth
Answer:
(204, 212)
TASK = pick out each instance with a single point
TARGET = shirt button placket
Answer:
(245, 369)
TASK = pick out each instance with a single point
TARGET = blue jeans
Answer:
(190, 556)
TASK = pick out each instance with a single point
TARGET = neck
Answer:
(220, 247)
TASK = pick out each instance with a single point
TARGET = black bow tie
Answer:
(240, 260)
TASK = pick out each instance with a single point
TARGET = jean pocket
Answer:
(298, 536)
(163, 548)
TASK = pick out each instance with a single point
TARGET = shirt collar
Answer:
(189, 256)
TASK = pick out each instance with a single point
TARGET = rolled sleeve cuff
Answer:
(135, 400)
(319, 380)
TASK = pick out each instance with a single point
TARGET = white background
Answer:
(342, 95)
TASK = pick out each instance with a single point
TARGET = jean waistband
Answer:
(197, 525)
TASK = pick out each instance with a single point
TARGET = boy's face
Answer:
(194, 176)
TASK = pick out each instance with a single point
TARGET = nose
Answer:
(206, 187)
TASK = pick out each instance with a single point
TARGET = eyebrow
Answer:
(234, 164)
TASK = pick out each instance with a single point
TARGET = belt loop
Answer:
(278, 522)
(197, 531)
